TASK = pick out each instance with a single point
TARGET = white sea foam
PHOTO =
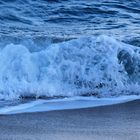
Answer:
(67, 103)
(91, 65)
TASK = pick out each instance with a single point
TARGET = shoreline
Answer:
(117, 122)
(64, 104)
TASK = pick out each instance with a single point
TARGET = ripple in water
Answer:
(70, 19)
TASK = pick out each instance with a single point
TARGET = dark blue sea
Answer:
(66, 19)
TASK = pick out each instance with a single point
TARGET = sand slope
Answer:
(116, 122)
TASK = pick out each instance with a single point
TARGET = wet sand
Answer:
(115, 122)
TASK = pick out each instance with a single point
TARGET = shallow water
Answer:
(63, 104)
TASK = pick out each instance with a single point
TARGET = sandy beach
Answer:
(115, 122)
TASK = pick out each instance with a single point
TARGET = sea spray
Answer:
(100, 66)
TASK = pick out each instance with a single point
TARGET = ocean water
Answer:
(60, 20)
(57, 48)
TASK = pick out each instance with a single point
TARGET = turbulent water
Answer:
(58, 48)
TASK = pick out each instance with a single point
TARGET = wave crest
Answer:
(98, 66)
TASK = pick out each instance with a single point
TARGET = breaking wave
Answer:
(100, 66)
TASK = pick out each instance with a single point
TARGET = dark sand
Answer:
(116, 122)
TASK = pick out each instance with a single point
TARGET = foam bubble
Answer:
(92, 65)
